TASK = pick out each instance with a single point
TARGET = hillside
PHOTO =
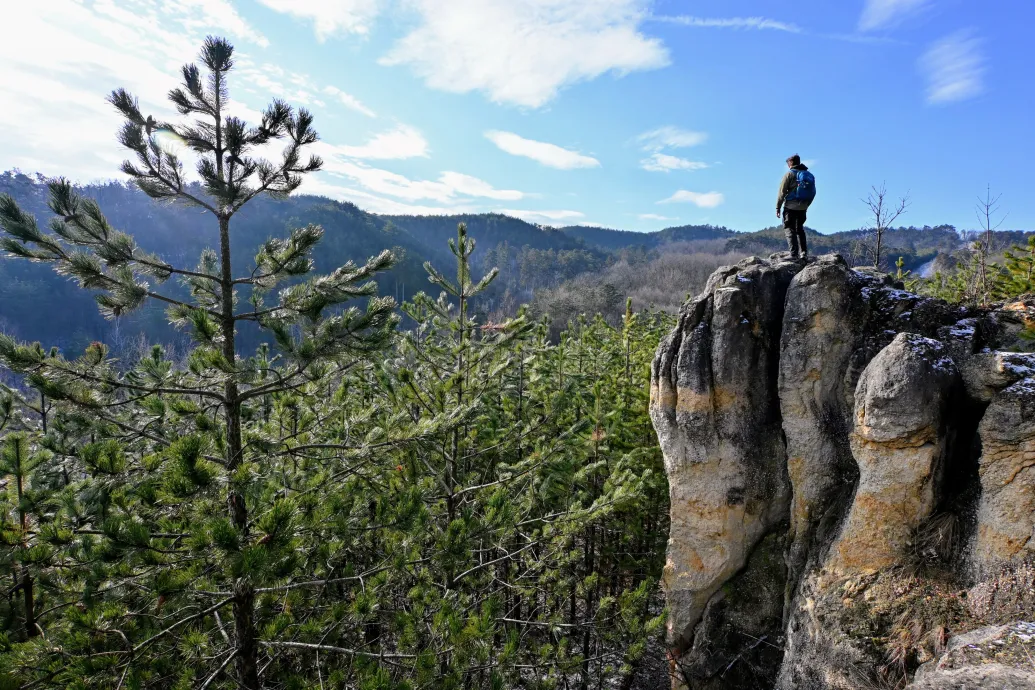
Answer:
(562, 272)
(180, 234)
(490, 229)
(33, 294)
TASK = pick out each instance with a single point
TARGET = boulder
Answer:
(990, 658)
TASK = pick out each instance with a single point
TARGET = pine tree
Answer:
(174, 495)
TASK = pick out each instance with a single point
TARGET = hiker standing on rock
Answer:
(797, 190)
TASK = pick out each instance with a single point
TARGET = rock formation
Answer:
(718, 420)
(820, 427)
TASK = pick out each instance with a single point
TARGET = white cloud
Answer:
(401, 142)
(699, 199)
(348, 100)
(62, 57)
(544, 217)
(662, 162)
(267, 81)
(523, 52)
(731, 23)
(446, 189)
(330, 17)
(453, 192)
(954, 68)
(670, 137)
(878, 14)
(654, 216)
(548, 154)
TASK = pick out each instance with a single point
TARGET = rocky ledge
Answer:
(852, 480)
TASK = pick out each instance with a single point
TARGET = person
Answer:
(797, 191)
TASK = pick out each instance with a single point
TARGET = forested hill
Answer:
(489, 229)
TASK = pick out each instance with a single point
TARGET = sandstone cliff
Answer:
(851, 468)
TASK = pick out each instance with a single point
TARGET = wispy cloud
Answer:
(472, 186)
(330, 17)
(447, 189)
(401, 142)
(561, 217)
(376, 203)
(670, 137)
(348, 100)
(756, 23)
(550, 155)
(523, 52)
(699, 199)
(880, 14)
(954, 67)
(662, 162)
(654, 216)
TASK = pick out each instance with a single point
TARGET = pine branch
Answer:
(340, 650)
(220, 669)
(201, 614)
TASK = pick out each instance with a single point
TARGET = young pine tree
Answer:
(1020, 270)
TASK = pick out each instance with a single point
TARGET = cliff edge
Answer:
(852, 482)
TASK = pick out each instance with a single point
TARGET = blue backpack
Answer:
(806, 189)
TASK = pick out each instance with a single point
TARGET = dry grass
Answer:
(936, 542)
(901, 619)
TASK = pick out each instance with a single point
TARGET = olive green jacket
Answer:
(787, 185)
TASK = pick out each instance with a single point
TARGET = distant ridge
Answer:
(613, 240)
(489, 229)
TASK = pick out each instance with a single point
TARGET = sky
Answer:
(631, 114)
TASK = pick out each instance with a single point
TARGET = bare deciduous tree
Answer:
(884, 214)
(987, 211)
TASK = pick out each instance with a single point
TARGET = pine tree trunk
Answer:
(244, 593)
(28, 596)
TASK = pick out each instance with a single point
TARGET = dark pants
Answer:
(794, 228)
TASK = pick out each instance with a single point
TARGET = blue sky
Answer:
(624, 113)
